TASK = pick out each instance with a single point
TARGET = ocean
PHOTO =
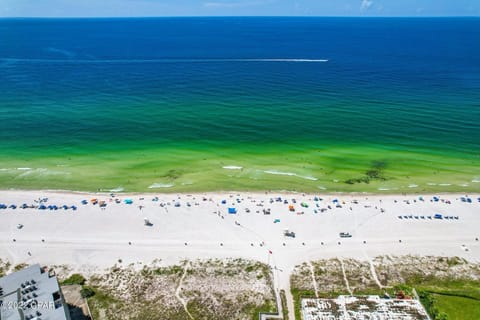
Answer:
(378, 105)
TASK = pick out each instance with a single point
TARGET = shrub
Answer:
(87, 292)
(75, 279)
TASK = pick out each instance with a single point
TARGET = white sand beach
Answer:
(199, 226)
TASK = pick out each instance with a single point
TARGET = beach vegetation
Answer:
(101, 302)
(168, 270)
(283, 299)
(75, 278)
(4, 266)
(20, 266)
(212, 289)
(87, 292)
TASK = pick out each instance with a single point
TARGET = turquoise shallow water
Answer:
(135, 103)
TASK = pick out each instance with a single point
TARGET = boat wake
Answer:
(166, 60)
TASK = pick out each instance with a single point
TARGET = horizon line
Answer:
(234, 16)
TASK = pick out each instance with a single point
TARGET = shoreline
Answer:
(253, 192)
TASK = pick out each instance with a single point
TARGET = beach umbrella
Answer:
(128, 201)
(232, 210)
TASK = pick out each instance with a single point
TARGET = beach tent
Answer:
(437, 216)
(304, 204)
(224, 201)
(232, 210)
(128, 201)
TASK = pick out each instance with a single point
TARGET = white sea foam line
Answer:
(413, 185)
(161, 185)
(41, 172)
(13, 60)
(476, 180)
(232, 167)
(290, 174)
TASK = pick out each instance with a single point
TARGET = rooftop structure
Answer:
(363, 307)
(32, 294)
